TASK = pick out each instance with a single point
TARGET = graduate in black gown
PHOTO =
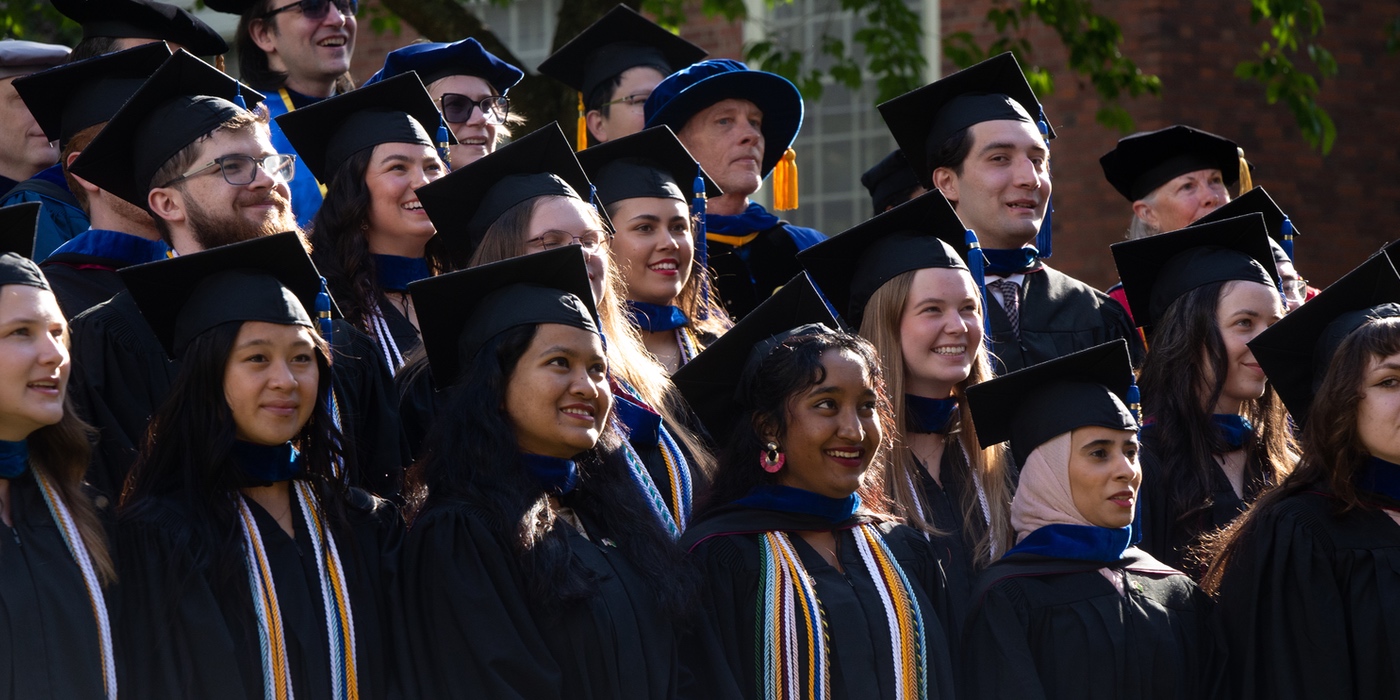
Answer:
(531, 196)
(249, 567)
(72, 103)
(55, 625)
(981, 137)
(1216, 435)
(1074, 610)
(812, 587)
(647, 182)
(373, 147)
(158, 154)
(1307, 581)
(533, 568)
(902, 279)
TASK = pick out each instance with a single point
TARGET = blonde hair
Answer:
(627, 355)
(881, 327)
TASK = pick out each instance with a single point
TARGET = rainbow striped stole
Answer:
(791, 637)
(340, 619)
(76, 547)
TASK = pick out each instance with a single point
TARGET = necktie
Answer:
(1011, 301)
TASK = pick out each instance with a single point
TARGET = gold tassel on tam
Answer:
(582, 125)
(1246, 182)
(785, 182)
(219, 63)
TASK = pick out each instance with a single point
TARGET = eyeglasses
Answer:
(1295, 290)
(633, 100)
(318, 9)
(458, 108)
(589, 240)
(240, 170)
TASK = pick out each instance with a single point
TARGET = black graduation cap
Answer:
(397, 110)
(464, 204)
(621, 39)
(890, 181)
(143, 19)
(923, 119)
(75, 96)
(1296, 352)
(1144, 161)
(18, 225)
(434, 61)
(459, 312)
(233, 7)
(710, 382)
(185, 99)
(1033, 405)
(849, 267)
(649, 163)
(268, 279)
(1156, 271)
(1255, 201)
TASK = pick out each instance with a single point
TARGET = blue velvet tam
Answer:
(434, 61)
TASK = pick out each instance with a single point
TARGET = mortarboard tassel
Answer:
(219, 64)
(238, 97)
(1043, 242)
(443, 147)
(1287, 243)
(702, 261)
(323, 323)
(977, 266)
(1135, 408)
(1135, 402)
(785, 182)
(1246, 182)
(582, 125)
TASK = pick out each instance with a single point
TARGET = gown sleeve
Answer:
(369, 414)
(999, 661)
(1284, 612)
(470, 629)
(174, 640)
(722, 634)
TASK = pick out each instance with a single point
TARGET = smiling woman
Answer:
(244, 547)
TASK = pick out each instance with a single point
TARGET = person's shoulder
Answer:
(804, 237)
(1068, 286)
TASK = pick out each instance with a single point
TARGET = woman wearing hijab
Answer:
(529, 197)
(1307, 580)
(913, 297)
(533, 568)
(249, 568)
(1074, 610)
(54, 561)
(812, 587)
(371, 236)
(1215, 435)
(647, 182)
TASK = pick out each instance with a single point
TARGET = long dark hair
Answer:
(188, 448)
(1332, 449)
(471, 455)
(1178, 394)
(339, 246)
(768, 389)
(62, 453)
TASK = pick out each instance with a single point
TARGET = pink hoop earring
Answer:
(770, 458)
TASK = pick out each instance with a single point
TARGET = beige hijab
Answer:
(1043, 496)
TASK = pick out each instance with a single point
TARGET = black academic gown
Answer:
(190, 628)
(746, 275)
(472, 630)
(956, 549)
(1311, 602)
(49, 646)
(1058, 315)
(121, 376)
(1057, 629)
(1168, 536)
(725, 545)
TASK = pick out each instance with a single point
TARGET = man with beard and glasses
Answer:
(185, 150)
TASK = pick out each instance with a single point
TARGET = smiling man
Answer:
(298, 52)
(738, 123)
(976, 136)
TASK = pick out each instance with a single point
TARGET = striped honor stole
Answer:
(335, 596)
(673, 506)
(793, 655)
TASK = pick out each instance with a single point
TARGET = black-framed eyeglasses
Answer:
(317, 9)
(636, 99)
(458, 108)
(240, 170)
(588, 240)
